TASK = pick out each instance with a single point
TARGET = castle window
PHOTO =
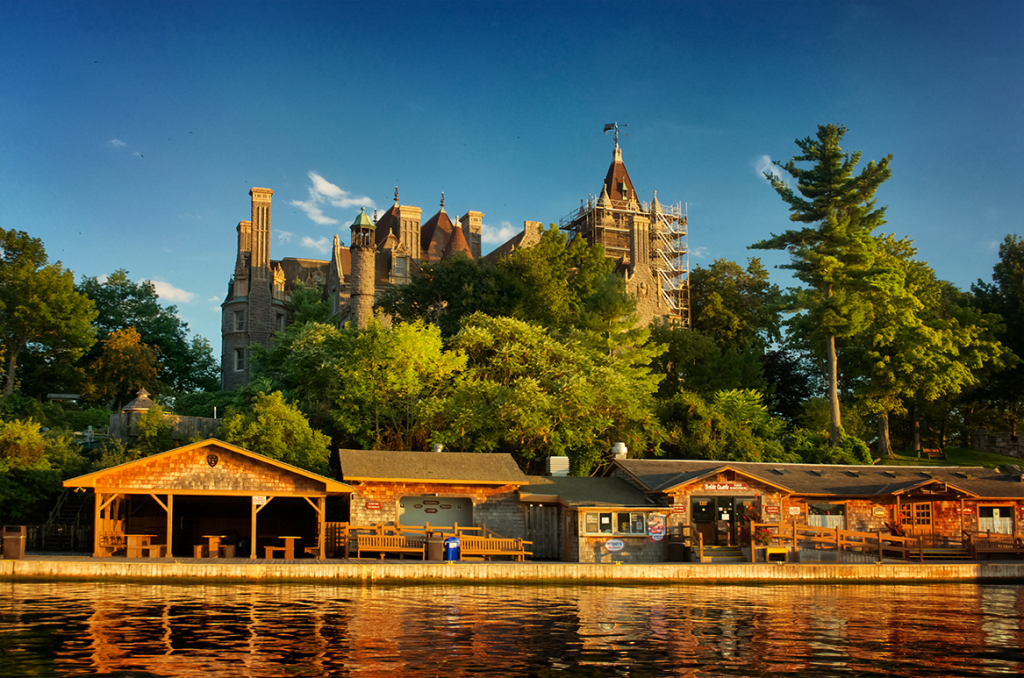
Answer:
(280, 322)
(239, 360)
(400, 267)
(239, 321)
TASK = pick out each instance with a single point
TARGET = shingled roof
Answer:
(574, 491)
(664, 475)
(438, 467)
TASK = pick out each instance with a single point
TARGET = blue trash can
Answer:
(451, 549)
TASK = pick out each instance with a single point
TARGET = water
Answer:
(62, 628)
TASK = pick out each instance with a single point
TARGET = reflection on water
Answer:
(272, 630)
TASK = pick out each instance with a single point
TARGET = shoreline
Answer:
(182, 570)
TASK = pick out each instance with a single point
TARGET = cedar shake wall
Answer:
(191, 471)
(497, 506)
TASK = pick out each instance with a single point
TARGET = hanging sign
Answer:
(794, 510)
(614, 545)
(656, 526)
(879, 512)
(259, 501)
(373, 506)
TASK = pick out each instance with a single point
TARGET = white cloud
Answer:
(323, 191)
(285, 236)
(699, 252)
(117, 143)
(168, 292)
(215, 300)
(322, 244)
(101, 279)
(498, 236)
(762, 164)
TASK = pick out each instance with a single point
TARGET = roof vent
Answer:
(619, 451)
(558, 466)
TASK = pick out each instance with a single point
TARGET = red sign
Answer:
(373, 506)
(772, 509)
(679, 508)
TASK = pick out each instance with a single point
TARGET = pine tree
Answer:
(834, 255)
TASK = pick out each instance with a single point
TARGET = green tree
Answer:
(734, 426)
(736, 308)
(693, 361)
(835, 254)
(920, 345)
(38, 304)
(532, 395)
(1004, 296)
(277, 429)
(366, 386)
(187, 365)
(124, 366)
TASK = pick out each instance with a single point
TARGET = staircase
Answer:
(69, 527)
(944, 553)
(723, 554)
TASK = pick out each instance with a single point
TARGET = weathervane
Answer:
(614, 126)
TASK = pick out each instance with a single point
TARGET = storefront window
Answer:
(615, 522)
(827, 515)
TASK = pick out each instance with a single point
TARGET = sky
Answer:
(131, 133)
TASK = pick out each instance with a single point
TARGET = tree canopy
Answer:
(186, 365)
(39, 304)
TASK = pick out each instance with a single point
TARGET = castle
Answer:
(646, 240)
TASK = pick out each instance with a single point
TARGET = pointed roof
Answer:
(435, 234)
(210, 466)
(457, 243)
(433, 467)
(617, 183)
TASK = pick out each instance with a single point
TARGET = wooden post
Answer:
(97, 522)
(323, 529)
(879, 546)
(252, 526)
(170, 523)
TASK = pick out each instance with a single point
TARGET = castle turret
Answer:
(362, 284)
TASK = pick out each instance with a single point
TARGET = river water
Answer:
(133, 629)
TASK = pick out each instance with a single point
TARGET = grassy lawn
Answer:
(955, 456)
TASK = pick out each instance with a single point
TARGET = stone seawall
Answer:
(412, 573)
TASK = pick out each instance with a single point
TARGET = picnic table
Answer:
(139, 545)
(212, 549)
(288, 550)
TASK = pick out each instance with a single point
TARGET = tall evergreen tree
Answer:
(834, 254)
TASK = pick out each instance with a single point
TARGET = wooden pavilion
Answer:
(206, 494)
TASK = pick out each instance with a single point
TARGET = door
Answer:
(542, 530)
(917, 521)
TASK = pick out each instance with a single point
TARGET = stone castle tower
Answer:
(646, 240)
(384, 252)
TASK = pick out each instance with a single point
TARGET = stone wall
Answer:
(999, 442)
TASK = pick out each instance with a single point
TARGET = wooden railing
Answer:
(343, 539)
(827, 538)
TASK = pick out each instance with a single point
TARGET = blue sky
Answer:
(131, 133)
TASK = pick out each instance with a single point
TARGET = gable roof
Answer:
(435, 467)
(163, 460)
(434, 235)
(667, 475)
(575, 491)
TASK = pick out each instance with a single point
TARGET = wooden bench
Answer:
(390, 543)
(148, 551)
(932, 453)
(488, 547)
(1006, 545)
